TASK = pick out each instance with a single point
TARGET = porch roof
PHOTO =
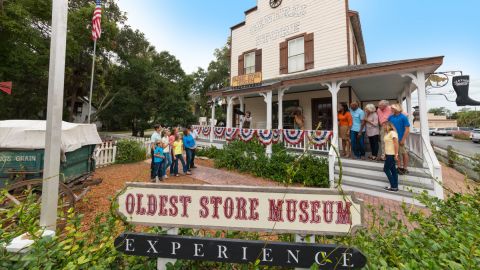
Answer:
(364, 79)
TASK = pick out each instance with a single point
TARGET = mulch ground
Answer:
(98, 199)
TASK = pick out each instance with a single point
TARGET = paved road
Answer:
(465, 147)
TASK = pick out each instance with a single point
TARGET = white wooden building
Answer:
(311, 55)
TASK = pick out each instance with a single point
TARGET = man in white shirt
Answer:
(156, 136)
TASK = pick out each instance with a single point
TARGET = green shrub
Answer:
(129, 151)
(209, 152)
(452, 157)
(281, 167)
(448, 238)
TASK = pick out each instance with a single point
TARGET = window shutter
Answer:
(284, 57)
(258, 60)
(309, 51)
(241, 65)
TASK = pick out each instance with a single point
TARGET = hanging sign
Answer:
(249, 79)
(240, 251)
(283, 210)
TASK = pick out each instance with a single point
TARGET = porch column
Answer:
(230, 111)
(268, 99)
(281, 92)
(242, 102)
(422, 104)
(212, 119)
(408, 99)
(334, 88)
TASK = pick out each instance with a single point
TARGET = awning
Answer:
(30, 134)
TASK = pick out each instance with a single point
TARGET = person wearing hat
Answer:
(402, 125)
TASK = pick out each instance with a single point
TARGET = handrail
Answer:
(332, 155)
(434, 167)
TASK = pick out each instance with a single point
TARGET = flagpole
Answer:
(91, 82)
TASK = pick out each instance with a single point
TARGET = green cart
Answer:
(22, 161)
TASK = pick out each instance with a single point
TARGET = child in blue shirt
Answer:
(158, 158)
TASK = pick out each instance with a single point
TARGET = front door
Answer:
(322, 114)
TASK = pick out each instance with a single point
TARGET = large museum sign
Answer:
(286, 210)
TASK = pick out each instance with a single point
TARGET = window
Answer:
(296, 55)
(249, 63)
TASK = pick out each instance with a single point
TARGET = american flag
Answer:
(97, 21)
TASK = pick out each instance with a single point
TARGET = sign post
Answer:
(51, 173)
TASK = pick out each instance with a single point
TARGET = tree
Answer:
(215, 77)
(468, 119)
(440, 111)
(134, 85)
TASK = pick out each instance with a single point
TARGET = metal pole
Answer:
(58, 45)
(91, 82)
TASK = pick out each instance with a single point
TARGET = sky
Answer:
(393, 30)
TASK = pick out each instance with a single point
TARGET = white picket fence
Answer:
(106, 152)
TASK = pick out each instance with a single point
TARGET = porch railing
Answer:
(418, 146)
(308, 140)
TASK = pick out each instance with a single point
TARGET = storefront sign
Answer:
(287, 210)
(240, 251)
(249, 79)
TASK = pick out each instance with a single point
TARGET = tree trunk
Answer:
(134, 127)
(72, 106)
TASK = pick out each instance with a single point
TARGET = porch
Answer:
(319, 94)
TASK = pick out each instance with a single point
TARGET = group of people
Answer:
(386, 127)
(168, 148)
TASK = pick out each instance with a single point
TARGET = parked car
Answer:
(475, 135)
(441, 132)
(433, 131)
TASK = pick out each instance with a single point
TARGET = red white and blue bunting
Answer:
(198, 129)
(276, 135)
(265, 136)
(219, 132)
(230, 134)
(293, 136)
(206, 131)
(247, 135)
(319, 137)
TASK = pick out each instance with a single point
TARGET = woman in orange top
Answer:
(345, 124)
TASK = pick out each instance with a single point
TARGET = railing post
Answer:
(114, 154)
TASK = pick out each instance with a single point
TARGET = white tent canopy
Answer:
(30, 134)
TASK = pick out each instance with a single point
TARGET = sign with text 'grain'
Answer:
(287, 210)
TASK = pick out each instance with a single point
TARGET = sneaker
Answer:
(166, 176)
(392, 189)
(188, 173)
(194, 167)
(400, 171)
(177, 175)
(386, 188)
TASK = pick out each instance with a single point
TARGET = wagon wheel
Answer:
(18, 192)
